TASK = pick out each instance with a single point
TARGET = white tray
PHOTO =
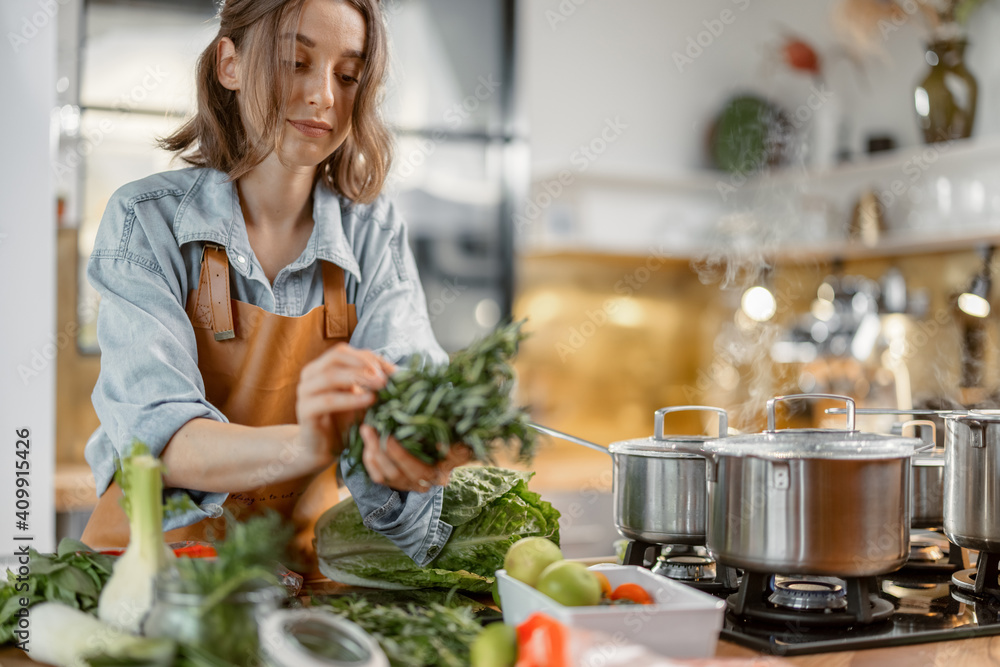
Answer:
(682, 622)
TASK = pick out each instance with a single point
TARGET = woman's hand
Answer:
(333, 390)
(398, 469)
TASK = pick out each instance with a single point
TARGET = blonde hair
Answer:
(217, 137)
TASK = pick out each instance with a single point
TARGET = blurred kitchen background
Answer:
(692, 203)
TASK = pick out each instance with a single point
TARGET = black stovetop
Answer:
(926, 606)
(915, 619)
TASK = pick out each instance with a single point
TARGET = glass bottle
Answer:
(946, 99)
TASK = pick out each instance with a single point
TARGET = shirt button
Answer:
(433, 551)
(241, 259)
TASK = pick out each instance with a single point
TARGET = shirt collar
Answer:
(210, 212)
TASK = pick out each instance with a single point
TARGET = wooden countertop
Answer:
(975, 652)
(978, 652)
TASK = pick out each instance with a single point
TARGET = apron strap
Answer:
(213, 291)
(335, 301)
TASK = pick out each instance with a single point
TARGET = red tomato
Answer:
(633, 592)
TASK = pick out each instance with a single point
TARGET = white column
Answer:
(28, 340)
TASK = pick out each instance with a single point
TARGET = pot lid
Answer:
(677, 447)
(815, 444)
(812, 443)
(672, 446)
(976, 416)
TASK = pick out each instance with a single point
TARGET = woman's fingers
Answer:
(380, 467)
(418, 474)
(393, 466)
(315, 405)
(343, 366)
(341, 380)
(347, 380)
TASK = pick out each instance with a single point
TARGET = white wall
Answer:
(584, 61)
(27, 264)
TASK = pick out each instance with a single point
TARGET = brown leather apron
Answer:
(250, 361)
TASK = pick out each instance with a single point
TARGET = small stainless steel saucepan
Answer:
(658, 483)
(926, 478)
(927, 467)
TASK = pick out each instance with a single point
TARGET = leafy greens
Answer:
(490, 509)
(74, 576)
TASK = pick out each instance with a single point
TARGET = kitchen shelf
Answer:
(795, 253)
(922, 244)
(946, 199)
(871, 167)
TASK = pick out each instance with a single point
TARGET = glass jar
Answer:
(227, 629)
(317, 638)
(946, 98)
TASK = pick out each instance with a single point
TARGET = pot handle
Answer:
(927, 446)
(772, 401)
(978, 431)
(658, 419)
(569, 438)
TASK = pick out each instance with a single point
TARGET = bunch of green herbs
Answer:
(465, 401)
(414, 633)
(74, 576)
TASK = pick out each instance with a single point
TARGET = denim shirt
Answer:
(146, 258)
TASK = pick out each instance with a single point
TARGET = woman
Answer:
(251, 304)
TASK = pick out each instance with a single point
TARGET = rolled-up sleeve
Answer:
(393, 321)
(393, 318)
(149, 385)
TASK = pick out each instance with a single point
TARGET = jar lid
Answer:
(317, 638)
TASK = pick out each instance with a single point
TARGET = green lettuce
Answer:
(490, 509)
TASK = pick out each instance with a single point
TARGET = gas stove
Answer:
(689, 564)
(798, 615)
(930, 599)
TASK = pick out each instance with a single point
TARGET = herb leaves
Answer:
(466, 401)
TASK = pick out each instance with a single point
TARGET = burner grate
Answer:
(983, 580)
(862, 606)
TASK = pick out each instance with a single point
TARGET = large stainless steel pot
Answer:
(810, 501)
(658, 483)
(972, 480)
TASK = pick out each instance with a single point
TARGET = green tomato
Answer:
(495, 646)
(570, 583)
(527, 557)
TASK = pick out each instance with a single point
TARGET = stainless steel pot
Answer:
(658, 483)
(927, 466)
(972, 480)
(810, 501)
(926, 478)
